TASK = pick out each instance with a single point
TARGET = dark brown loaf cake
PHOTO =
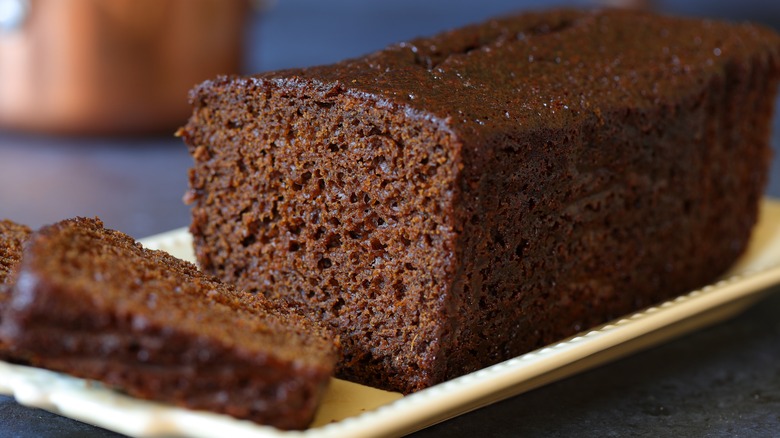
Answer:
(451, 202)
(93, 303)
(12, 238)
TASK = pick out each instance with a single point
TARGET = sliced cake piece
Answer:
(93, 303)
(454, 201)
(12, 237)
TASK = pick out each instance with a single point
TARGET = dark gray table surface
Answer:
(721, 381)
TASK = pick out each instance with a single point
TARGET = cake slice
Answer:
(91, 302)
(12, 238)
(454, 201)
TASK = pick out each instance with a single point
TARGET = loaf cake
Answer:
(91, 302)
(451, 202)
(12, 237)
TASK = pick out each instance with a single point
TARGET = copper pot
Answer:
(112, 66)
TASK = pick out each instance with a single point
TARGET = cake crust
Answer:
(454, 201)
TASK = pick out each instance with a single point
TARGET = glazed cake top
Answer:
(541, 69)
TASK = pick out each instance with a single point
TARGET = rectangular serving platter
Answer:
(349, 409)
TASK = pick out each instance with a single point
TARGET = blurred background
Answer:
(91, 91)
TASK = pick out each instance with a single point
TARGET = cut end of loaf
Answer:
(334, 202)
